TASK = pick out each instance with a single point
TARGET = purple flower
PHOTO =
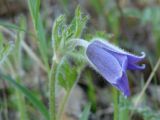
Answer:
(112, 62)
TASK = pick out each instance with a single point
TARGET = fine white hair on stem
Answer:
(79, 42)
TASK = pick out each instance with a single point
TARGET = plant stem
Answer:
(52, 95)
(62, 106)
(21, 103)
(123, 108)
(19, 96)
(116, 100)
(5, 102)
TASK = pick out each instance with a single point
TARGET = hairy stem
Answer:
(116, 100)
(123, 108)
(62, 106)
(52, 95)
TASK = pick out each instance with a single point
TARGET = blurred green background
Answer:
(133, 25)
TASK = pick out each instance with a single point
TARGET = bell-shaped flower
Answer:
(112, 63)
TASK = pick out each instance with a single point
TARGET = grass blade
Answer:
(37, 103)
(85, 113)
(14, 27)
(34, 6)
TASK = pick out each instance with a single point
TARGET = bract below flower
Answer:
(112, 63)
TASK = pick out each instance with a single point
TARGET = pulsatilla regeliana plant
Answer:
(108, 60)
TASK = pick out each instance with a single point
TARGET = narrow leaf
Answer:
(14, 27)
(85, 113)
(37, 103)
(39, 28)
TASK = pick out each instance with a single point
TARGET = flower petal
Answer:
(131, 57)
(109, 46)
(134, 58)
(122, 58)
(122, 85)
(135, 67)
(104, 62)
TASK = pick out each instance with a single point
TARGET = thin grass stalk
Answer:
(5, 104)
(146, 85)
(21, 103)
(20, 98)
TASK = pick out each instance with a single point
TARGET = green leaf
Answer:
(62, 32)
(66, 74)
(38, 26)
(85, 113)
(37, 103)
(11, 26)
(78, 23)
(57, 29)
(14, 27)
(5, 49)
(37, 9)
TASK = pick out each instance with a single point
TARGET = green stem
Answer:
(123, 109)
(62, 106)
(5, 104)
(21, 103)
(116, 100)
(52, 87)
(20, 98)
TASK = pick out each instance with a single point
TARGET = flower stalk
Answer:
(116, 103)
(52, 94)
(62, 106)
